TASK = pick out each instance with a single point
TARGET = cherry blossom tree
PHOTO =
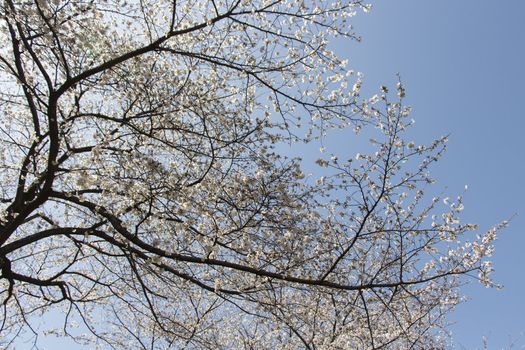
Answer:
(144, 196)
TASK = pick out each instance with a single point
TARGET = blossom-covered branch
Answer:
(144, 193)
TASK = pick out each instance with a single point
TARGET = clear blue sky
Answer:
(463, 65)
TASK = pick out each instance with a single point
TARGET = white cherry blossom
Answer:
(145, 197)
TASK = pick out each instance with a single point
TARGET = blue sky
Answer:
(463, 65)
